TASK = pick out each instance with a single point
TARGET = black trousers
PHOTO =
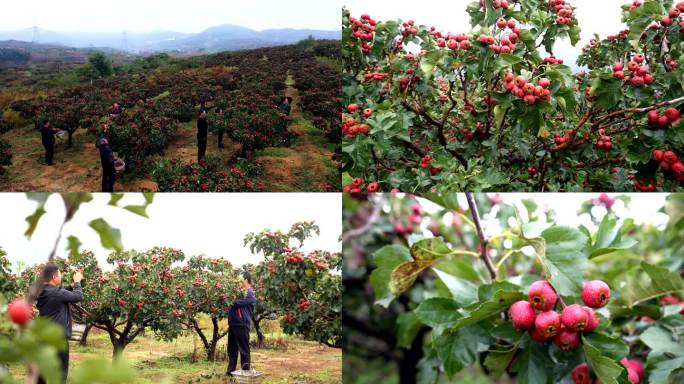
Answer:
(49, 152)
(201, 147)
(108, 179)
(238, 341)
(64, 360)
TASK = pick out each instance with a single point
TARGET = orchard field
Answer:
(161, 316)
(489, 107)
(513, 288)
(156, 134)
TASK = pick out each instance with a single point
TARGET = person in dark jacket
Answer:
(202, 127)
(286, 106)
(53, 303)
(108, 170)
(239, 322)
(47, 134)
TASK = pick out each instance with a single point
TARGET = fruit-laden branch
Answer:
(484, 255)
(639, 110)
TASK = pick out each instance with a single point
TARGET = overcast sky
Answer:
(643, 208)
(594, 16)
(211, 224)
(175, 15)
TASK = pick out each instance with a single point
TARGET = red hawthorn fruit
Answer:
(548, 323)
(678, 168)
(574, 318)
(595, 293)
(352, 108)
(372, 187)
(19, 312)
(663, 121)
(617, 67)
(544, 83)
(566, 339)
(669, 157)
(536, 336)
(632, 66)
(674, 13)
(666, 21)
(522, 315)
(542, 296)
(580, 374)
(619, 75)
(357, 182)
(672, 114)
(653, 116)
(367, 113)
(530, 99)
(501, 23)
(637, 81)
(639, 58)
(636, 366)
(680, 6)
(592, 320)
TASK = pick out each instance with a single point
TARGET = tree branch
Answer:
(640, 110)
(375, 215)
(484, 255)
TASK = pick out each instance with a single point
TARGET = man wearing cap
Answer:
(108, 170)
(202, 127)
(239, 322)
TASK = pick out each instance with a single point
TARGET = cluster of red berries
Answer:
(528, 92)
(536, 315)
(375, 76)
(303, 304)
(669, 162)
(672, 15)
(567, 137)
(408, 80)
(640, 74)
(404, 229)
(553, 60)
(453, 41)
(356, 186)
(670, 63)
(641, 187)
(604, 142)
(532, 170)
(503, 4)
(425, 163)
(668, 118)
(363, 30)
(563, 10)
(635, 4)
(622, 35)
(351, 126)
(635, 372)
(409, 29)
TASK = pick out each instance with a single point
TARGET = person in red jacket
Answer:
(239, 322)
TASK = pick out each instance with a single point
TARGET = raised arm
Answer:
(248, 300)
(74, 296)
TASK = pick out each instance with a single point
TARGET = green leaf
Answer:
(531, 365)
(609, 239)
(408, 325)
(480, 311)
(73, 201)
(661, 372)
(606, 92)
(605, 368)
(140, 210)
(109, 237)
(565, 258)
(103, 371)
(429, 368)
(386, 259)
(438, 312)
(649, 282)
(612, 347)
(115, 198)
(404, 275)
(429, 249)
(73, 247)
(499, 358)
(506, 60)
(32, 220)
(661, 342)
(463, 291)
(460, 348)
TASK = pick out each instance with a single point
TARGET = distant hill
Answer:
(219, 38)
(15, 52)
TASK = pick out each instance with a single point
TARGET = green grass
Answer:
(276, 152)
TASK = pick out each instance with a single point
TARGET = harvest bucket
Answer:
(248, 377)
(119, 165)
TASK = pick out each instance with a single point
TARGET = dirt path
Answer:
(307, 164)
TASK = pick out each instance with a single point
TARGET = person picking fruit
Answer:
(239, 322)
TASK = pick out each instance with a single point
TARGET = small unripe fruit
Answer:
(548, 323)
(580, 374)
(566, 339)
(592, 320)
(542, 296)
(522, 315)
(19, 312)
(574, 318)
(595, 293)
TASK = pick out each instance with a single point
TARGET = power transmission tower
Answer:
(124, 41)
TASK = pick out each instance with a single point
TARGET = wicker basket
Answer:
(248, 377)
(119, 165)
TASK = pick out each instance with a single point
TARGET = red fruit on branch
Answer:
(542, 296)
(522, 315)
(19, 312)
(595, 293)
(566, 339)
(592, 320)
(580, 374)
(574, 318)
(548, 323)
(352, 108)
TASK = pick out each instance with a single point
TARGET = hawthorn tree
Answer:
(264, 308)
(485, 109)
(449, 293)
(306, 288)
(207, 286)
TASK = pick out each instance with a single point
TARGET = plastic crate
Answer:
(248, 377)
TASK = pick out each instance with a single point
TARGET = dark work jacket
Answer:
(241, 312)
(47, 135)
(285, 108)
(107, 158)
(202, 128)
(53, 303)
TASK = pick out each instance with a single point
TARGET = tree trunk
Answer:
(211, 352)
(408, 365)
(118, 350)
(84, 338)
(261, 340)
(71, 135)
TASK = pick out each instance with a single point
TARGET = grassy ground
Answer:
(306, 165)
(294, 361)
